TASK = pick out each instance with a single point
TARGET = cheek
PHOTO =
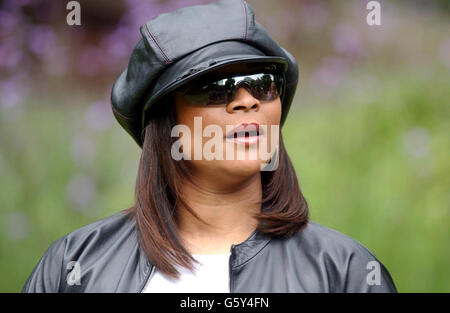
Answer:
(196, 119)
(273, 112)
(270, 143)
(185, 114)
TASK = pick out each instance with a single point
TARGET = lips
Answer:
(245, 130)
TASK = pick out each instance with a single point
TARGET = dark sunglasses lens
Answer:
(263, 87)
(207, 94)
(267, 87)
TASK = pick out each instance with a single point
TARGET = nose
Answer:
(243, 100)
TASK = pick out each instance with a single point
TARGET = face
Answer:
(241, 156)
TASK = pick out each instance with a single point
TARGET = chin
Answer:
(243, 168)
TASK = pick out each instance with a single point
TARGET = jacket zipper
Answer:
(147, 276)
(230, 267)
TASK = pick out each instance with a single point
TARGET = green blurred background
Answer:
(368, 132)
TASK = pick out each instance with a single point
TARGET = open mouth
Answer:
(245, 133)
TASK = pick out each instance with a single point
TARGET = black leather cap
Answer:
(179, 46)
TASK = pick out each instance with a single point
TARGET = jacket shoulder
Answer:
(81, 245)
(332, 240)
(103, 229)
(351, 265)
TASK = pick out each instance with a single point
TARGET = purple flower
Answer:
(41, 40)
(444, 52)
(346, 40)
(81, 191)
(98, 116)
(58, 63)
(15, 4)
(330, 72)
(11, 54)
(8, 22)
(82, 150)
(140, 12)
(287, 25)
(90, 61)
(118, 45)
(12, 93)
(313, 15)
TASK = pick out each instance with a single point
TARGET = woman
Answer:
(206, 87)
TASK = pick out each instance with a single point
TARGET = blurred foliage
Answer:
(377, 168)
(368, 131)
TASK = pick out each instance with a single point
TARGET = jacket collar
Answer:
(246, 250)
(240, 253)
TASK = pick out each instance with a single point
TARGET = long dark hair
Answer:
(284, 210)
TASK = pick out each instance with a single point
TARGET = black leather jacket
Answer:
(110, 259)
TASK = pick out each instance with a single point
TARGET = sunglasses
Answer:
(222, 90)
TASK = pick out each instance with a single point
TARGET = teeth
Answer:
(245, 133)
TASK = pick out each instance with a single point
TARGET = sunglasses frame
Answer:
(214, 77)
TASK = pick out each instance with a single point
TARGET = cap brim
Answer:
(179, 73)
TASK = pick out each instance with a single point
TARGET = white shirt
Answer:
(211, 275)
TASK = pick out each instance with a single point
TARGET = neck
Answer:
(228, 210)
